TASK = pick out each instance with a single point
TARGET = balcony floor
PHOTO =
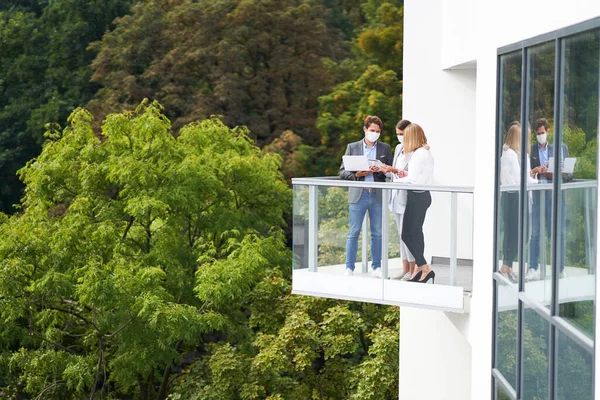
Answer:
(329, 281)
(463, 277)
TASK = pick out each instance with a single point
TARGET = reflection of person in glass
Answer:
(399, 198)
(362, 200)
(510, 175)
(539, 161)
(420, 172)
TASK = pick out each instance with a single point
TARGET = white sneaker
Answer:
(406, 276)
(376, 273)
(532, 275)
(348, 272)
(563, 274)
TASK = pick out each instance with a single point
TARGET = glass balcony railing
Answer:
(320, 232)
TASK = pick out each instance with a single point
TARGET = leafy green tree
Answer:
(371, 83)
(44, 74)
(320, 349)
(133, 251)
(256, 63)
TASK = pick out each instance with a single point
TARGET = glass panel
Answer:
(509, 138)
(574, 370)
(438, 240)
(536, 351)
(333, 231)
(540, 114)
(581, 67)
(300, 227)
(500, 394)
(399, 260)
(506, 333)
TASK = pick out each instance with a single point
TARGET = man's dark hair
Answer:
(402, 124)
(371, 119)
(541, 122)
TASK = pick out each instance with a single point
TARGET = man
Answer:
(363, 200)
(540, 155)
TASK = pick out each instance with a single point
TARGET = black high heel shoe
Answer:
(430, 275)
(417, 277)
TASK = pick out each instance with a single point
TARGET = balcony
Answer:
(320, 228)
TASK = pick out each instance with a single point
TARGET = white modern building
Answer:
(472, 69)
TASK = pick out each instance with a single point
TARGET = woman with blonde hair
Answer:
(398, 199)
(420, 172)
(510, 175)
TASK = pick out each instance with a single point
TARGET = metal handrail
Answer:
(338, 182)
(575, 184)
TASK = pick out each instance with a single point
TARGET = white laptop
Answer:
(355, 163)
(568, 165)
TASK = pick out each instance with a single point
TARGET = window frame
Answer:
(557, 323)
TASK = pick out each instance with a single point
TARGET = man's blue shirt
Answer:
(543, 153)
(370, 152)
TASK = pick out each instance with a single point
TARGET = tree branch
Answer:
(75, 314)
(129, 225)
(115, 333)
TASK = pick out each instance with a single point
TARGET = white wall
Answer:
(435, 357)
(443, 103)
(457, 111)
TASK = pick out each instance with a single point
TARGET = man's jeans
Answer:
(534, 243)
(368, 202)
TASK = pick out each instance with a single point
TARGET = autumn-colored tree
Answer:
(372, 83)
(255, 63)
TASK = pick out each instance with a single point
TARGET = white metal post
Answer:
(313, 227)
(365, 251)
(384, 233)
(453, 236)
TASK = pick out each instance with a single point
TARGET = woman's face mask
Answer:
(400, 139)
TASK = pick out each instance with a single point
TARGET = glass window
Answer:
(506, 333)
(554, 265)
(574, 380)
(536, 352)
(538, 214)
(510, 159)
(500, 394)
(581, 68)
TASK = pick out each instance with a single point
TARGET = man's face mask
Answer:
(542, 138)
(372, 136)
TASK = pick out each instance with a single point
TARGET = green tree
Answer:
(314, 349)
(44, 74)
(132, 252)
(371, 83)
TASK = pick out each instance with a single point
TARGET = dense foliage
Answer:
(140, 257)
(145, 259)
(44, 74)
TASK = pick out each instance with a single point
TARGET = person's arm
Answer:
(348, 175)
(384, 171)
(533, 174)
(416, 166)
(388, 169)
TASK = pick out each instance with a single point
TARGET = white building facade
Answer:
(475, 73)
(457, 57)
